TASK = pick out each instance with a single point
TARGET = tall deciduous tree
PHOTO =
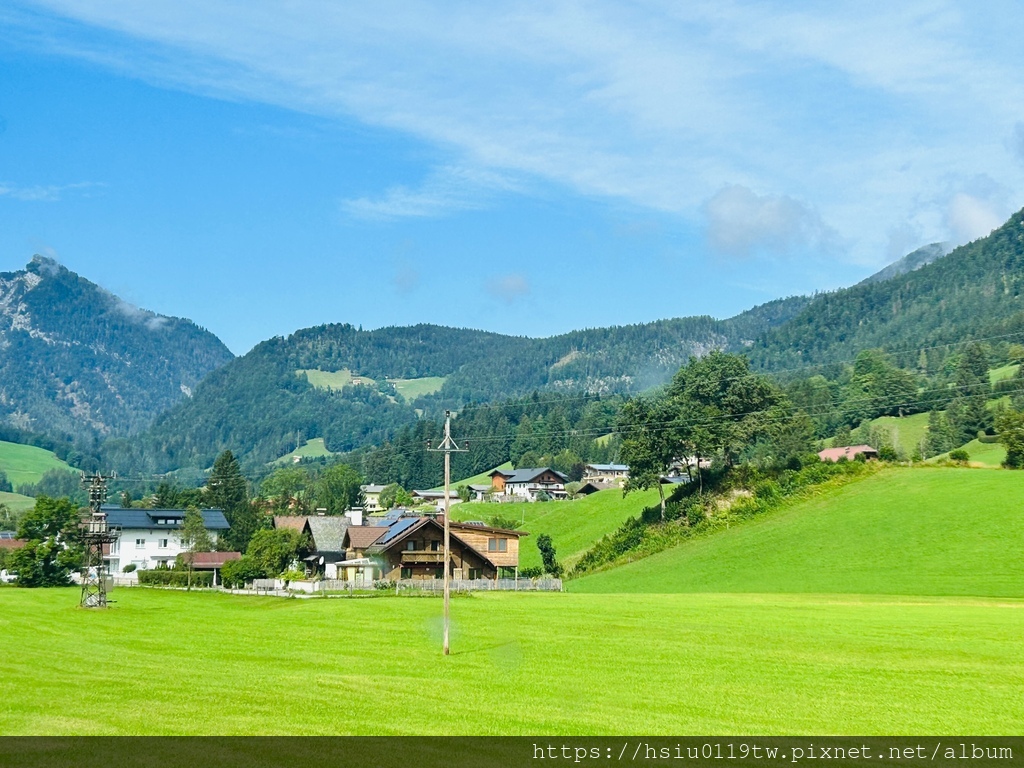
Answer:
(194, 538)
(338, 488)
(649, 443)
(1010, 425)
(53, 547)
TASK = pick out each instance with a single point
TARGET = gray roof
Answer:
(213, 519)
(328, 532)
(372, 488)
(526, 474)
(609, 467)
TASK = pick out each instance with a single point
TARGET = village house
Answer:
(606, 473)
(150, 538)
(413, 548)
(326, 537)
(525, 484)
(371, 498)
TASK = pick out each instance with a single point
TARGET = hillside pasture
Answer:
(16, 502)
(901, 531)
(333, 380)
(521, 664)
(574, 526)
(27, 463)
(411, 389)
(311, 449)
(987, 455)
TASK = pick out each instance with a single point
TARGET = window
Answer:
(474, 573)
(162, 543)
(407, 573)
(435, 546)
(410, 546)
(497, 545)
(140, 543)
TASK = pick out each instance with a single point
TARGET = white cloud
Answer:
(509, 288)
(41, 193)
(445, 190)
(743, 223)
(970, 217)
(657, 104)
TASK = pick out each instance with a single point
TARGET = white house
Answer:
(526, 483)
(149, 537)
(606, 473)
(371, 498)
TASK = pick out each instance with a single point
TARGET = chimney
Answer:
(355, 516)
(321, 511)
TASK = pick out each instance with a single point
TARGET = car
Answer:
(6, 577)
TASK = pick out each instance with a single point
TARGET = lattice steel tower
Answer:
(96, 534)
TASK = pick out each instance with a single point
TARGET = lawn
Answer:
(484, 478)
(333, 379)
(168, 662)
(574, 526)
(907, 431)
(27, 463)
(902, 531)
(1003, 373)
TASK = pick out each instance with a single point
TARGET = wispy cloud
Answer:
(653, 103)
(42, 193)
(743, 223)
(509, 288)
(446, 189)
(971, 217)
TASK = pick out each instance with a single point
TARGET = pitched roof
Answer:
(210, 560)
(328, 532)
(298, 522)
(362, 536)
(609, 467)
(473, 526)
(423, 522)
(372, 488)
(526, 474)
(593, 486)
(213, 519)
(850, 451)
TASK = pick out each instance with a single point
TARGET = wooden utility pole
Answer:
(448, 447)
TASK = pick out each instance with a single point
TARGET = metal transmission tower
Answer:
(95, 535)
(448, 447)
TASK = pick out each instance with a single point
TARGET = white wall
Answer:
(124, 550)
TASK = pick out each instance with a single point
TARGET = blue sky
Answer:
(527, 168)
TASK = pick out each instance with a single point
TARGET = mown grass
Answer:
(332, 379)
(980, 454)
(27, 463)
(574, 526)
(167, 662)
(484, 478)
(901, 531)
(907, 431)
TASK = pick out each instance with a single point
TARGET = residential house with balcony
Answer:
(151, 537)
(525, 484)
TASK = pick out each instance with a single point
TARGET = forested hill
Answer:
(76, 360)
(355, 388)
(974, 292)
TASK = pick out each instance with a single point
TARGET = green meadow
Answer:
(891, 605)
(314, 448)
(27, 463)
(169, 662)
(16, 502)
(574, 526)
(411, 389)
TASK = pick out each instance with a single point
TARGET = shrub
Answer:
(163, 577)
(888, 453)
(533, 572)
(236, 573)
(130, 568)
(960, 456)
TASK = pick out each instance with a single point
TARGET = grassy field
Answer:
(981, 454)
(902, 531)
(521, 664)
(907, 431)
(314, 448)
(410, 389)
(482, 479)
(1003, 373)
(26, 463)
(16, 502)
(574, 526)
(332, 379)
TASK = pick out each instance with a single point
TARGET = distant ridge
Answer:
(915, 260)
(77, 360)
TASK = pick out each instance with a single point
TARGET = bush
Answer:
(236, 573)
(960, 456)
(130, 568)
(175, 578)
(888, 453)
(533, 572)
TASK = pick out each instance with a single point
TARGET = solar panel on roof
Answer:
(395, 530)
(7, 534)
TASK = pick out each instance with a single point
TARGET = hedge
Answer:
(175, 578)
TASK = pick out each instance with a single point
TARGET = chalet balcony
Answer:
(421, 556)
